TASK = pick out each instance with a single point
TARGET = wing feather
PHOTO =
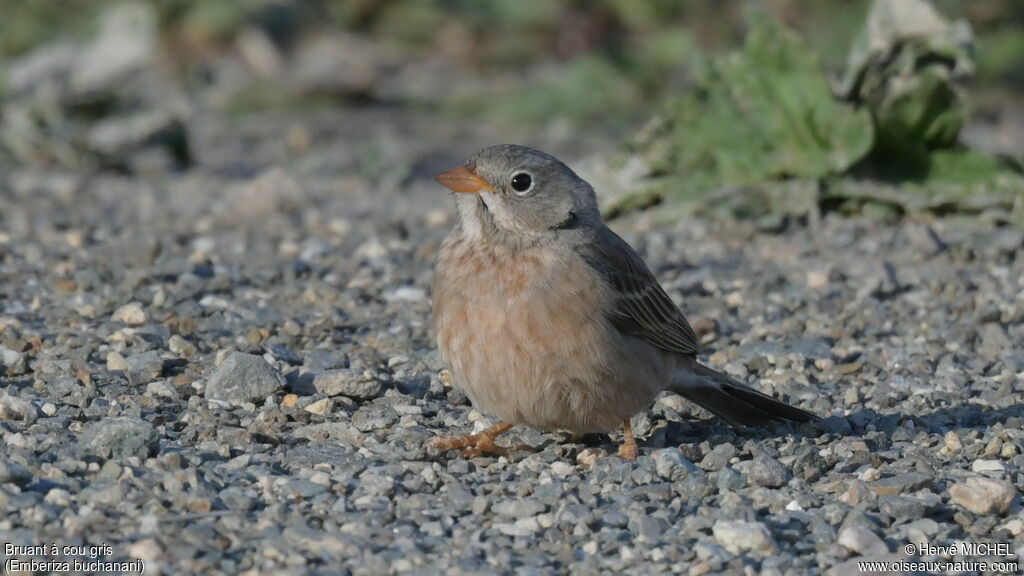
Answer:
(641, 308)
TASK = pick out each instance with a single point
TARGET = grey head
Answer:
(520, 195)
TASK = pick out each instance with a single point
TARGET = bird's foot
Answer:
(475, 445)
(628, 450)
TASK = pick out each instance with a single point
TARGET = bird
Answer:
(547, 318)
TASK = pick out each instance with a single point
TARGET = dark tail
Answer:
(736, 403)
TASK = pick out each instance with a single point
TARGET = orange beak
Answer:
(463, 180)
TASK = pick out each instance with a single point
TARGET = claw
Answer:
(476, 445)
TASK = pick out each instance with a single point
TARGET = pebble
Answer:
(355, 384)
(862, 540)
(729, 479)
(115, 361)
(739, 536)
(120, 437)
(518, 508)
(1014, 526)
(857, 493)
(320, 407)
(670, 464)
(588, 457)
(983, 495)
(12, 361)
(900, 484)
(58, 497)
(14, 473)
(243, 378)
(16, 409)
(143, 368)
(718, 458)
(767, 472)
(988, 466)
(406, 294)
(562, 469)
(952, 442)
(131, 314)
(181, 347)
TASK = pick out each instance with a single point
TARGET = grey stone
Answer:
(994, 341)
(862, 540)
(900, 483)
(768, 472)
(377, 481)
(300, 488)
(834, 425)
(374, 417)
(809, 465)
(670, 464)
(901, 508)
(243, 378)
(13, 408)
(718, 457)
(648, 529)
(518, 508)
(120, 437)
(63, 387)
(729, 479)
(144, 368)
(739, 536)
(14, 472)
(13, 361)
(323, 360)
(355, 384)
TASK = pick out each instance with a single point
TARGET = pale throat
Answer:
(484, 214)
(470, 208)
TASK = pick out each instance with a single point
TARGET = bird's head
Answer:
(521, 193)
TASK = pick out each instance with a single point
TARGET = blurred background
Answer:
(656, 88)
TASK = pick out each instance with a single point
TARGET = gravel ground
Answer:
(231, 370)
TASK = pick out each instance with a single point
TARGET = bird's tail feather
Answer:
(736, 403)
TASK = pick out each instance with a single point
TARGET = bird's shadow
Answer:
(664, 432)
(857, 423)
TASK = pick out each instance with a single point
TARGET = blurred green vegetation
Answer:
(641, 39)
(755, 104)
(765, 111)
(610, 58)
(763, 123)
(24, 25)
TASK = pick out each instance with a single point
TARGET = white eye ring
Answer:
(522, 178)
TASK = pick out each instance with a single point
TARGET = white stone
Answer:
(131, 314)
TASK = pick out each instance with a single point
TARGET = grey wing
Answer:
(641, 307)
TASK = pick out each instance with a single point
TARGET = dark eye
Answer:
(522, 182)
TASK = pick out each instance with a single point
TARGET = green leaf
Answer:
(767, 112)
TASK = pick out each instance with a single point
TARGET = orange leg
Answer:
(628, 450)
(477, 444)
